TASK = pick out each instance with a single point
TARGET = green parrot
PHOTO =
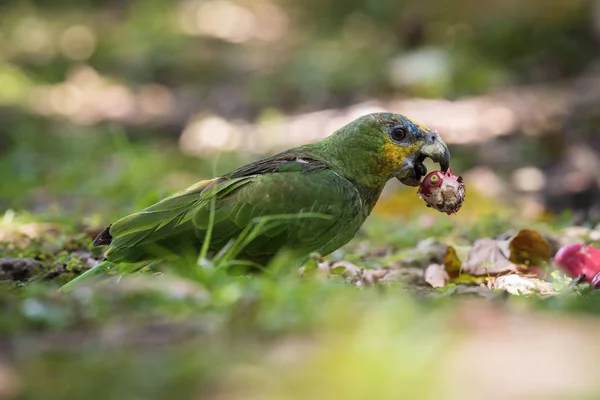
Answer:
(319, 195)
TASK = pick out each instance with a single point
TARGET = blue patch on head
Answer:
(392, 119)
(416, 130)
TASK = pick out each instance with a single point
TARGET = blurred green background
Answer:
(95, 95)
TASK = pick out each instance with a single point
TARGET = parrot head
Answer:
(387, 145)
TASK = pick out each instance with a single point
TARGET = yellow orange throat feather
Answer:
(393, 156)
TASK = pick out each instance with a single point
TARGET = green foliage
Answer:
(319, 54)
(95, 171)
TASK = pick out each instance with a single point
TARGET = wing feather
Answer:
(277, 186)
(170, 219)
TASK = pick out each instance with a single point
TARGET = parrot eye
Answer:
(434, 179)
(398, 134)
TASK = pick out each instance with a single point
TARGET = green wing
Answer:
(315, 211)
(294, 190)
(165, 227)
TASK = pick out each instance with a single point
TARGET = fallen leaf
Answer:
(452, 262)
(486, 258)
(428, 251)
(436, 276)
(519, 285)
(528, 247)
(370, 276)
(576, 259)
(405, 275)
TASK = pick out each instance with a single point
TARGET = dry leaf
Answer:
(436, 276)
(452, 262)
(428, 251)
(528, 247)
(371, 276)
(405, 275)
(486, 258)
(518, 285)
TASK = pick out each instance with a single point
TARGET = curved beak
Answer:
(413, 169)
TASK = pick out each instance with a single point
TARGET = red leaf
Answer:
(576, 259)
